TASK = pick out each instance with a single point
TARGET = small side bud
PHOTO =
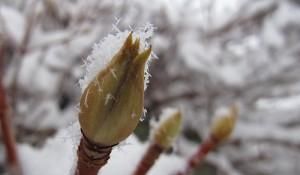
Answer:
(221, 129)
(166, 131)
(223, 126)
(162, 138)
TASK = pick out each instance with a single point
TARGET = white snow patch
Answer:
(14, 23)
(222, 111)
(230, 74)
(58, 157)
(286, 103)
(28, 68)
(279, 134)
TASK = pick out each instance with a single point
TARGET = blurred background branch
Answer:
(211, 53)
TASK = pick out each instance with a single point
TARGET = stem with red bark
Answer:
(149, 158)
(197, 158)
(91, 156)
(6, 128)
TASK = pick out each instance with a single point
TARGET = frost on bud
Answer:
(168, 128)
(223, 126)
(116, 94)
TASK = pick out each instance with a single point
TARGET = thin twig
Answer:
(148, 160)
(21, 51)
(6, 127)
(197, 158)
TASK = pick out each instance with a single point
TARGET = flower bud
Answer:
(167, 129)
(113, 102)
(223, 126)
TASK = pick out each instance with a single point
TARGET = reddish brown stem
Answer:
(91, 157)
(6, 128)
(8, 136)
(148, 160)
(197, 158)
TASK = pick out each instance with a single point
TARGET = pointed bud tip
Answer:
(136, 47)
(144, 56)
(128, 41)
(137, 42)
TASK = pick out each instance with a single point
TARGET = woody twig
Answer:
(6, 126)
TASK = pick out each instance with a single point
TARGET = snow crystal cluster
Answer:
(104, 51)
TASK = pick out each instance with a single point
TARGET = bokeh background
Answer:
(212, 53)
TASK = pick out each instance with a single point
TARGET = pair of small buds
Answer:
(168, 128)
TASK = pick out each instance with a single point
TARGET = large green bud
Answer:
(113, 102)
